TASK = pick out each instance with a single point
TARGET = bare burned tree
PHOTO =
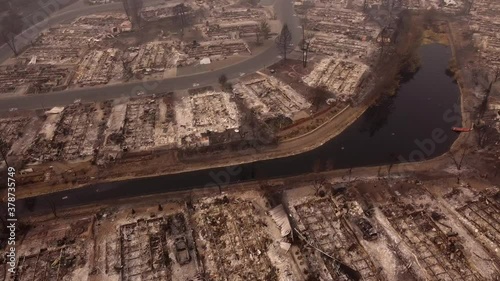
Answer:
(133, 11)
(319, 95)
(10, 26)
(457, 161)
(484, 104)
(4, 147)
(468, 6)
(307, 35)
(283, 41)
(127, 67)
(483, 129)
(53, 207)
(223, 80)
(257, 37)
(318, 186)
(126, 7)
(349, 176)
(180, 13)
(459, 158)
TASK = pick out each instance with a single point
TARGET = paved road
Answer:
(285, 13)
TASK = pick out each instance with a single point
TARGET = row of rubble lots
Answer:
(69, 35)
(100, 2)
(339, 46)
(215, 50)
(339, 32)
(49, 54)
(338, 76)
(49, 63)
(347, 22)
(168, 10)
(336, 15)
(238, 14)
(485, 8)
(231, 30)
(34, 79)
(321, 4)
(450, 6)
(486, 26)
(107, 20)
(359, 32)
(421, 233)
(103, 131)
(154, 57)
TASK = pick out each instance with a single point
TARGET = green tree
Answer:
(264, 29)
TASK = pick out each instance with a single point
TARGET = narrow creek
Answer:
(413, 125)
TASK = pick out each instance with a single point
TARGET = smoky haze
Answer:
(28, 12)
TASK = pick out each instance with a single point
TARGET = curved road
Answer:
(284, 11)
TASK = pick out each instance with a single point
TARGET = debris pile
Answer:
(203, 113)
(34, 79)
(17, 134)
(147, 247)
(326, 228)
(97, 67)
(154, 57)
(269, 97)
(57, 253)
(69, 134)
(234, 240)
(338, 76)
(215, 50)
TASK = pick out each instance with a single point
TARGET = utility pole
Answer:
(305, 46)
(305, 50)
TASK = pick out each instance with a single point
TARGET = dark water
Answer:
(413, 125)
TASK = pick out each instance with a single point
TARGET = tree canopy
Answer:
(284, 41)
